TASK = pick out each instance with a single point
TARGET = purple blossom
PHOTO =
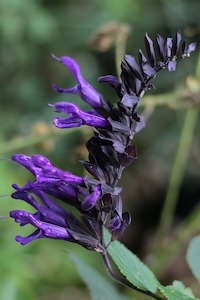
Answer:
(49, 220)
(52, 221)
(77, 117)
(43, 170)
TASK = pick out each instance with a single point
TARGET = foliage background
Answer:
(29, 32)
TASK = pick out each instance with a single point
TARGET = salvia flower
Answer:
(97, 198)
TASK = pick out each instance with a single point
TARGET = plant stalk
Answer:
(176, 175)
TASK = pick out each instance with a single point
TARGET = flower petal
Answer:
(111, 80)
(49, 230)
(150, 50)
(77, 117)
(90, 201)
(37, 234)
(172, 65)
(176, 43)
(84, 89)
(161, 47)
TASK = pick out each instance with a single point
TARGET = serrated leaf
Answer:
(100, 288)
(173, 293)
(193, 256)
(132, 267)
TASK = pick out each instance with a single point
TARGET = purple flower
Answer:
(60, 184)
(52, 221)
(77, 117)
(43, 170)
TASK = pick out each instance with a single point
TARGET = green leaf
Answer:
(185, 290)
(100, 288)
(132, 267)
(174, 293)
(193, 256)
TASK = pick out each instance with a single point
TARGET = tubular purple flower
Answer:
(50, 211)
(77, 117)
(49, 179)
(50, 219)
(84, 89)
(44, 229)
(44, 171)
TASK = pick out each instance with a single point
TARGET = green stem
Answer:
(177, 174)
(19, 143)
(189, 227)
(120, 49)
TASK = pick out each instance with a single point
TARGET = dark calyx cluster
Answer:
(97, 198)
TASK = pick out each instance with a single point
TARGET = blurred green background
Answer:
(29, 32)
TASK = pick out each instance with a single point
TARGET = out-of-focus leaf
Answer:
(187, 291)
(175, 293)
(12, 289)
(193, 256)
(100, 288)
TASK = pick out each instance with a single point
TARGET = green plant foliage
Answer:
(100, 287)
(187, 291)
(176, 292)
(193, 256)
(132, 267)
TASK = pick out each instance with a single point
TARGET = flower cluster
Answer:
(96, 198)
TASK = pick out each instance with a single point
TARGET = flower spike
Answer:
(97, 199)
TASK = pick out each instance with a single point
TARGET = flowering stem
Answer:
(177, 174)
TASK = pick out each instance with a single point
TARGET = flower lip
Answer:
(84, 89)
(77, 117)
